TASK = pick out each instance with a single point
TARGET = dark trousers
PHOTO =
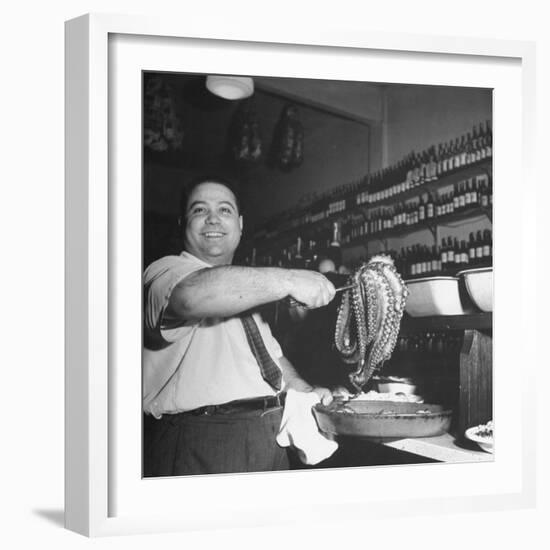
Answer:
(186, 443)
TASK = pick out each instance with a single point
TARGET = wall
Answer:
(363, 100)
(421, 116)
(336, 152)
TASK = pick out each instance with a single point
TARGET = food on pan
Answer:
(387, 396)
(484, 430)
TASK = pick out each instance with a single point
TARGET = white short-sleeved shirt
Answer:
(197, 363)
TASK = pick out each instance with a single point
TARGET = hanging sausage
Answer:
(287, 150)
(244, 135)
(162, 129)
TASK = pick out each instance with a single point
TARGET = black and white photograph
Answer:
(286, 270)
(317, 274)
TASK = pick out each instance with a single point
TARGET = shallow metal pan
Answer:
(382, 419)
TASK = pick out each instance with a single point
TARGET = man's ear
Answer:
(241, 223)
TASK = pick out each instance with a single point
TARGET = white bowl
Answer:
(396, 387)
(486, 443)
(479, 283)
(433, 296)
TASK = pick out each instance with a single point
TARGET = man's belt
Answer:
(241, 405)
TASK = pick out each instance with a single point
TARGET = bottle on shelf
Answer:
(443, 256)
(463, 152)
(415, 206)
(416, 170)
(483, 192)
(464, 258)
(439, 165)
(487, 247)
(457, 194)
(436, 263)
(468, 194)
(479, 247)
(432, 164)
(422, 208)
(334, 251)
(310, 255)
(471, 249)
(424, 260)
(438, 206)
(476, 144)
(298, 260)
(424, 168)
(457, 254)
(430, 211)
(456, 154)
(445, 156)
(451, 157)
(470, 153)
(446, 203)
(473, 193)
(450, 254)
(427, 261)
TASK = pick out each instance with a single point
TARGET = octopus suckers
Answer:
(369, 317)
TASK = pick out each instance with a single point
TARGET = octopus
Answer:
(369, 318)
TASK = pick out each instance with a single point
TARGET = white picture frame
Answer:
(93, 391)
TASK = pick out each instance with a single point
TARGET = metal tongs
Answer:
(291, 302)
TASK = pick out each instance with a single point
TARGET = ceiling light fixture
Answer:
(230, 87)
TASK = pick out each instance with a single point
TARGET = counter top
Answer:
(443, 448)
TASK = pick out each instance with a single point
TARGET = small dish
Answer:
(483, 441)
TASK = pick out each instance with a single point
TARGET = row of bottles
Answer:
(465, 195)
(468, 194)
(303, 254)
(475, 192)
(412, 171)
(451, 256)
(435, 162)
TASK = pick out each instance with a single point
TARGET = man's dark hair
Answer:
(194, 183)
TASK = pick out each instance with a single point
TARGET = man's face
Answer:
(213, 225)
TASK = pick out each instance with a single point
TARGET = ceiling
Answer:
(358, 101)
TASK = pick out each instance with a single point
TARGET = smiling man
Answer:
(214, 378)
(213, 224)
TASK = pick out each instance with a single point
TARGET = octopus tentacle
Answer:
(346, 346)
(366, 331)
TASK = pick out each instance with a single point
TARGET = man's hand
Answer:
(324, 394)
(295, 382)
(310, 288)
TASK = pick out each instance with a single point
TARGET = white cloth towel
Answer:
(299, 428)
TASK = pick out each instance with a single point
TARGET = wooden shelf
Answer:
(430, 225)
(414, 325)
